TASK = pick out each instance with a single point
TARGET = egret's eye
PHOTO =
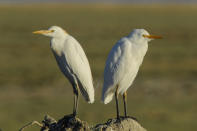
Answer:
(52, 30)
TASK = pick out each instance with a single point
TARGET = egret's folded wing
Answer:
(114, 69)
(80, 67)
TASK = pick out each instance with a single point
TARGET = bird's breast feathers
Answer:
(124, 58)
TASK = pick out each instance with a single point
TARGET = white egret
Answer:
(72, 62)
(122, 65)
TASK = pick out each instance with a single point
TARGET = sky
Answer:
(100, 1)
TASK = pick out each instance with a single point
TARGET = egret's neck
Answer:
(141, 44)
(139, 48)
(57, 44)
(142, 47)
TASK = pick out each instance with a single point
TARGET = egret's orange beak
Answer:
(152, 36)
(42, 32)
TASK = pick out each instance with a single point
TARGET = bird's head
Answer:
(53, 31)
(141, 35)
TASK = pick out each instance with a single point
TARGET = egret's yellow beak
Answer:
(152, 36)
(42, 32)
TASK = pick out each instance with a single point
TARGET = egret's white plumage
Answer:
(72, 60)
(123, 63)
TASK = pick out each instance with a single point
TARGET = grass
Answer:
(31, 85)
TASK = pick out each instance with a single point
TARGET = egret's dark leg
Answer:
(125, 103)
(74, 108)
(76, 100)
(117, 108)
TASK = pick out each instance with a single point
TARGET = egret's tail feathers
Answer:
(89, 96)
(88, 93)
(107, 98)
(91, 100)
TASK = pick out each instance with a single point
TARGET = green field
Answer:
(163, 97)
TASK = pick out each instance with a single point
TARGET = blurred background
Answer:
(163, 96)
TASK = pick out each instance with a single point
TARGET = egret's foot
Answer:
(70, 116)
(74, 115)
(121, 118)
(134, 118)
(118, 119)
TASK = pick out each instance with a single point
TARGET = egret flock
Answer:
(121, 67)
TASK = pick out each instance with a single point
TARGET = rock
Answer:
(67, 123)
(124, 124)
(71, 123)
